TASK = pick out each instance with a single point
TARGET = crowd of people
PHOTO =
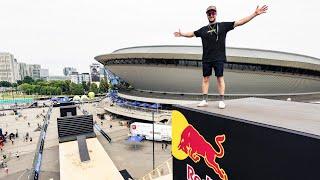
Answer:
(8, 137)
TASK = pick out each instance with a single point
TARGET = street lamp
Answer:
(153, 139)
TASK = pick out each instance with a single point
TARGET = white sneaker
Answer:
(203, 103)
(222, 105)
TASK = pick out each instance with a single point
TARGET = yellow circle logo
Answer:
(179, 123)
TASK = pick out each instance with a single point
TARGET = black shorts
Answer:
(217, 66)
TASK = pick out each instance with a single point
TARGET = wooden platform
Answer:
(100, 166)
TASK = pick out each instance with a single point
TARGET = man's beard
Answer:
(211, 22)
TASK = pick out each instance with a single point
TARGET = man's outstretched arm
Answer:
(185, 34)
(257, 12)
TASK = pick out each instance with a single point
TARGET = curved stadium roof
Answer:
(185, 78)
(246, 55)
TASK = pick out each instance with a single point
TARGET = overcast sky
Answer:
(59, 33)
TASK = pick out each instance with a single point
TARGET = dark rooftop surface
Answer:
(295, 117)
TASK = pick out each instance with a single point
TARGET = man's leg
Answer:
(219, 68)
(205, 89)
(205, 84)
(221, 86)
(207, 71)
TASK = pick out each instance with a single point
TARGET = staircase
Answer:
(163, 171)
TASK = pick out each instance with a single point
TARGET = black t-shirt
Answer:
(214, 47)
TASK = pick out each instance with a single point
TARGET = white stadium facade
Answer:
(169, 70)
(172, 74)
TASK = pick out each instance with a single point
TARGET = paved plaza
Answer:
(135, 158)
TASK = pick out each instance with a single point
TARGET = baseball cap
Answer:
(211, 8)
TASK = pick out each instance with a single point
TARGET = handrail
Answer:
(104, 134)
(142, 110)
(36, 165)
(130, 112)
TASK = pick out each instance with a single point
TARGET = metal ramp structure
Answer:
(69, 127)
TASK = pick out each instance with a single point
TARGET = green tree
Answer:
(67, 87)
(39, 81)
(58, 90)
(76, 89)
(14, 85)
(63, 85)
(37, 89)
(85, 86)
(103, 86)
(19, 82)
(28, 80)
(5, 84)
(27, 88)
(94, 88)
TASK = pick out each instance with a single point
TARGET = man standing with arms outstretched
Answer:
(213, 38)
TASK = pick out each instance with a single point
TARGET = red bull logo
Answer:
(190, 143)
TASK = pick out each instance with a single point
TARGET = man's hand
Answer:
(261, 10)
(185, 34)
(257, 12)
(177, 34)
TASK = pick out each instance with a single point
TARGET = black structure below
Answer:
(251, 139)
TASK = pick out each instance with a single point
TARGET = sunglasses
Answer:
(213, 13)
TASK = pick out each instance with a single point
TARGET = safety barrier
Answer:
(36, 165)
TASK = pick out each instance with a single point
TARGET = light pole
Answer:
(153, 139)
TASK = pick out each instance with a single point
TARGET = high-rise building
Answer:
(68, 71)
(35, 71)
(77, 78)
(44, 74)
(95, 72)
(84, 77)
(24, 70)
(74, 77)
(9, 68)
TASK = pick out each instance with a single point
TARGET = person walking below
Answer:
(213, 38)
(6, 170)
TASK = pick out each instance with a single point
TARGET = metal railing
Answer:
(104, 134)
(36, 165)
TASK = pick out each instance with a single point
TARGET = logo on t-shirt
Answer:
(212, 29)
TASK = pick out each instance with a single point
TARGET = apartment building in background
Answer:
(9, 68)
(67, 71)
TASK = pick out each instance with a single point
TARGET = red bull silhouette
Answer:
(194, 144)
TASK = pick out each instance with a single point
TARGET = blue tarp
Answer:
(144, 105)
(135, 103)
(135, 139)
(155, 106)
(120, 104)
(127, 103)
(119, 101)
(60, 100)
(54, 99)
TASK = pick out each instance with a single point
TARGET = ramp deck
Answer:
(290, 116)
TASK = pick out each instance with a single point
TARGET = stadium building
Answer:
(170, 74)
(177, 70)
